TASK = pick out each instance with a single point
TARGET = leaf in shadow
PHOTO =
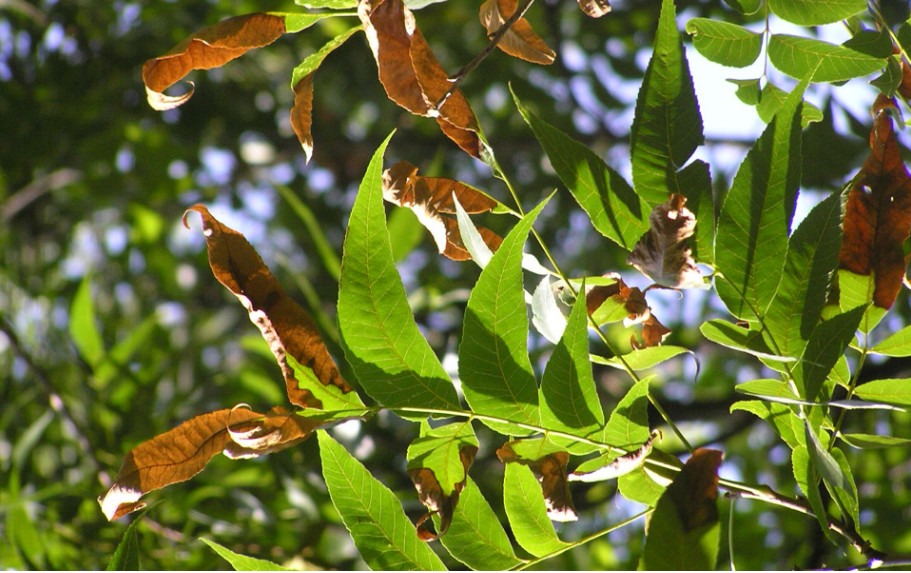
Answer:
(663, 253)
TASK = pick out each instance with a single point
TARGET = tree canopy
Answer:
(520, 296)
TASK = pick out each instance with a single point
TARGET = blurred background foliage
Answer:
(113, 329)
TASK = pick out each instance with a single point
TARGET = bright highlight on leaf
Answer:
(595, 8)
(519, 41)
(284, 324)
(878, 214)
(411, 74)
(431, 199)
(181, 453)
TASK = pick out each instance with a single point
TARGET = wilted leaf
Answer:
(617, 467)
(411, 74)
(878, 213)
(684, 532)
(431, 199)
(634, 305)
(550, 469)
(181, 453)
(519, 40)
(302, 85)
(595, 8)
(209, 48)
(285, 325)
(663, 254)
(436, 498)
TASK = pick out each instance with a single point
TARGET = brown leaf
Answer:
(551, 472)
(302, 114)
(285, 325)
(411, 74)
(431, 199)
(878, 213)
(435, 499)
(662, 254)
(209, 48)
(595, 8)
(520, 41)
(653, 333)
(695, 489)
(181, 453)
(633, 301)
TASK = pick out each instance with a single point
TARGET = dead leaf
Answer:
(595, 8)
(694, 490)
(411, 74)
(431, 199)
(550, 469)
(435, 499)
(181, 453)
(634, 304)
(209, 48)
(878, 213)
(662, 254)
(284, 324)
(619, 466)
(519, 41)
(302, 114)
(653, 333)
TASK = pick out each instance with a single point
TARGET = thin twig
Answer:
(482, 55)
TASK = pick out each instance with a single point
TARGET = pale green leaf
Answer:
(627, 426)
(438, 449)
(857, 290)
(897, 344)
(84, 326)
(873, 441)
(612, 206)
(814, 12)
(525, 508)
(724, 43)
(243, 562)
(328, 4)
(891, 391)
(798, 57)
(298, 21)
(382, 532)
(772, 97)
(391, 358)
(314, 60)
(494, 366)
(643, 358)
(808, 480)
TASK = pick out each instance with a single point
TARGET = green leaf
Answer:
(873, 441)
(826, 345)
(569, 400)
(84, 326)
(857, 290)
(330, 396)
(769, 388)
(321, 244)
(24, 535)
(643, 358)
(772, 97)
(524, 503)
(243, 562)
(876, 43)
(667, 127)
(890, 390)
(747, 7)
(798, 57)
(740, 338)
(408, 232)
(612, 206)
(748, 91)
(314, 60)
(897, 344)
(812, 256)
(494, 367)
(724, 43)
(889, 81)
(476, 537)
(298, 21)
(785, 422)
(684, 533)
(381, 531)
(814, 12)
(808, 480)
(847, 493)
(627, 426)
(328, 4)
(753, 229)
(126, 556)
(391, 358)
(438, 449)
(117, 358)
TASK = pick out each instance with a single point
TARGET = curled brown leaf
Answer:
(694, 490)
(663, 254)
(431, 199)
(435, 499)
(520, 41)
(284, 324)
(550, 469)
(595, 8)
(302, 114)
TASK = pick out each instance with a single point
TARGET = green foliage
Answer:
(112, 331)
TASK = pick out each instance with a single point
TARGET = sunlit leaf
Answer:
(663, 254)
(642, 358)
(897, 344)
(242, 562)
(181, 453)
(524, 505)
(684, 532)
(373, 514)
(798, 57)
(389, 355)
(815, 13)
(724, 43)
(432, 200)
(519, 40)
(891, 391)
(549, 466)
(826, 345)
(284, 324)
(873, 441)
(878, 214)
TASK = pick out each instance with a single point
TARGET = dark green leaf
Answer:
(126, 556)
(83, 326)
(826, 345)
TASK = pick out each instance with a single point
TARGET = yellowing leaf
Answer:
(595, 8)
(284, 324)
(550, 469)
(431, 199)
(181, 453)
(411, 74)
(519, 41)
(662, 254)
(209, 48)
